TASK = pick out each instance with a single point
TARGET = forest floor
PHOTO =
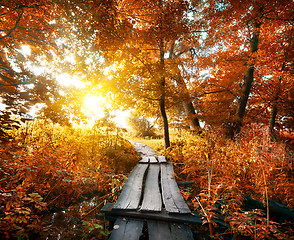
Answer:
(55, 180)
(240, 214)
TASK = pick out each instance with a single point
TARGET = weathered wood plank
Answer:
(162, 216)
(152, 197)
(153, 160)
(131, 194)
(181, 231)
(144, 160)
(171, 231)
(161, 159)
(127, 229)
(158, 230)
(172, 198)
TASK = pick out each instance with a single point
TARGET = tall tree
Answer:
(26, 31)
(152, 73)
(182, 89)
(134, 39)
(142, 44)
(241, 39)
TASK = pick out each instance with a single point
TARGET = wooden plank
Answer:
(161, 159)
(144, 160)
(127, 229)
(171, 231)
(172, 198)
(158, 230)
(181, 231)
(152, 197)
(153, 160)
(162, 216)
(131, 194)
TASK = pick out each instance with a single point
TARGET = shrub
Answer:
(50, 166)
(225, 171)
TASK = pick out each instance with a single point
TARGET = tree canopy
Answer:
(221, 63)
(216, 74)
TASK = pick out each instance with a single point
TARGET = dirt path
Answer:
(143, 149)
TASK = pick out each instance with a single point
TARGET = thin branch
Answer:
(15, 26)
(146, 89)
(40, 42)
(134, 55)
(218, 91)
(34, 29)
(117, 49)
(225, 89)
(171, 51)
(149, 98)
(15, 84)
(19, 7)
(290, 20)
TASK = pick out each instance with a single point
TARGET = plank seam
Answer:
(143, 186)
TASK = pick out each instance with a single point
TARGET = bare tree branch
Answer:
(15, 26)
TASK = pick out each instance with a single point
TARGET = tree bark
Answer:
(190, 112)
(162, 105)
(274, 110)
(162, 97)
(188, 105)
(246, 88)
(165, 122)
(162, 89)
(187, 101)
(272, 120)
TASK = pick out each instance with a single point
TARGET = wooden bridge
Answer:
(151, 204)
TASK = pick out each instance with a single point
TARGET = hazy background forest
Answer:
(207, 83)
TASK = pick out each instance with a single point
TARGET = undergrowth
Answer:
(49, 167)
(225, 172)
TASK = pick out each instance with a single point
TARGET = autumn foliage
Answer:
(226, 172)
(221, 68)
(52, 167)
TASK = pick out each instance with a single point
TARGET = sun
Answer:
(91, 101)
(94, 106)
(121, 118)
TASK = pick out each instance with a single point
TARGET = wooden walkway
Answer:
(151, 205)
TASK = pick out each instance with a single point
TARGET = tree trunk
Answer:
(165, 122)
(187, 101)
(246, 88)
(162, 88)
(188, 105)
(272, 120)
(190, 112)
(162, 98)
(274, 110)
